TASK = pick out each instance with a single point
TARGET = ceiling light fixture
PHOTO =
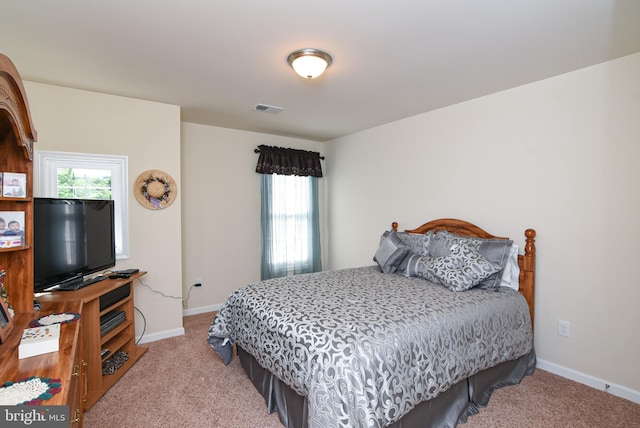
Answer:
(309, 63)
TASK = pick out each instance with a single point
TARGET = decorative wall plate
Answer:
(155, 189)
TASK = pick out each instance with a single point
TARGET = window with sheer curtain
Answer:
(290, 219)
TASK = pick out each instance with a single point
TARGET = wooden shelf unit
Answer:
(17, 137)
(121, 338)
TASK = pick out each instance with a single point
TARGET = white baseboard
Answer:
(161, 335)
(201, 310)
(177, 331)
(602, 385)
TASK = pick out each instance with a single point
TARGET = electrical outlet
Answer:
(564, 328)
(198, 282)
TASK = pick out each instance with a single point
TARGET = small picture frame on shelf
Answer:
(11, 229)
(14, 184)
(6, 326)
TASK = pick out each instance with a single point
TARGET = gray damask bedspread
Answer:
(366, 347)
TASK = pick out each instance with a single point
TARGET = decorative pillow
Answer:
(418, 243)
(415, 264)
(511, 274)
(494, 250)
(391, 252)
(463, 269)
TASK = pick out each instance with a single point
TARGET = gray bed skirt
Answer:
(447, 410)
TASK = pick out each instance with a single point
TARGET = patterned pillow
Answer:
(391, 252)
(415, 265)
(495, 250)
(463, 269)
(418, 243)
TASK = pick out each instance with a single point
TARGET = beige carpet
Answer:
(181, 382)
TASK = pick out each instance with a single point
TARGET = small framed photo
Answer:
(11, 229)
(14, 184)
(6, 326)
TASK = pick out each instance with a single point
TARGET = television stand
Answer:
(98, 300)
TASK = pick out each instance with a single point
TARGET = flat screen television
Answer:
(72, 238)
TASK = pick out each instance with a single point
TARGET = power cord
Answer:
(184, 304)
(144, 327)
(158, 292)
(185, 301)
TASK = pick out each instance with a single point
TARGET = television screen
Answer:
(72, 238)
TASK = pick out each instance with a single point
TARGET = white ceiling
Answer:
(391, 59)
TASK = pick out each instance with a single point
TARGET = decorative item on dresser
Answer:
(419, 340)
(6, 321)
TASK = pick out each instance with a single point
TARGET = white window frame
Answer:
(46, 164)
(290, 185)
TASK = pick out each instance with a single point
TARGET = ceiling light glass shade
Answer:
(309, 63)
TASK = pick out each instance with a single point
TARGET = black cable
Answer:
(184, 302)
(144, 325)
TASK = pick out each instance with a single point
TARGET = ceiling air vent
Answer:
(268, 109)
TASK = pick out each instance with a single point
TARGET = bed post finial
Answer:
(394, 226)
(530, 246)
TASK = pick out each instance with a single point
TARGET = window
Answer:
(79, 183)
(86, 176)
(290, 225)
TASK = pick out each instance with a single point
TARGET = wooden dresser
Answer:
(66, 364)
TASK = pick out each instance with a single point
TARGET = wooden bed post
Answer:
(527, 271)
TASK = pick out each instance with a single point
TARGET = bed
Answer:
(420, 339)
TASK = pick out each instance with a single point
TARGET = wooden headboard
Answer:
(527, 262)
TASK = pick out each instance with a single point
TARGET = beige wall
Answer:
(557, 155)
(221, 210)
(560, 156)
(148, 134)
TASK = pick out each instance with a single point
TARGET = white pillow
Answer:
(511, 273)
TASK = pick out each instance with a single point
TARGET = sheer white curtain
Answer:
(290, 225)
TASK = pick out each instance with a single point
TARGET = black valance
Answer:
(278, 160)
